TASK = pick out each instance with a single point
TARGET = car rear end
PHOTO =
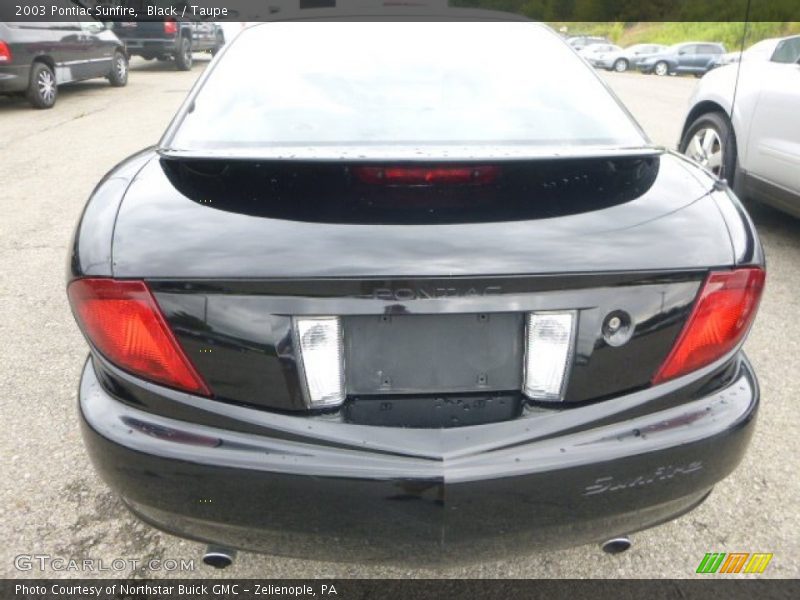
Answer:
(451, 346)
(15, 65)
(149, 38)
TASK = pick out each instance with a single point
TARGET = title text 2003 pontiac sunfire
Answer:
(412, 303)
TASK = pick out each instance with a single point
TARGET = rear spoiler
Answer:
(410, 153)
(373, 191)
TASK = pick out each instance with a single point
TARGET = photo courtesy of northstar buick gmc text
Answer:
(433, 306)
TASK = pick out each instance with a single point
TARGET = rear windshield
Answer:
(312, 84)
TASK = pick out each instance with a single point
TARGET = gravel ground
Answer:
(51, 502)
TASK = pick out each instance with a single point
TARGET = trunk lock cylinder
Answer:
(617, 328)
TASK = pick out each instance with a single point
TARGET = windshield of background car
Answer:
(787, 51)
(466, 84)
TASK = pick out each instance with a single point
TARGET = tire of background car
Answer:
(118, 77)
(661, 68)
(183, 59)
(720, 125)
(620, 65)
(220, 43)
(42, 89)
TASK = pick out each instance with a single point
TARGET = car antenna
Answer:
(741, 58)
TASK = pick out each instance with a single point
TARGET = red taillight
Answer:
(170, 27)
(427, 175)
(123, 321)
(5, 53)
(722, 315)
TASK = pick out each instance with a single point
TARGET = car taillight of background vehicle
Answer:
(723, 313)
(122, 320)
(5, 54)
(444, 175)
(170, 27)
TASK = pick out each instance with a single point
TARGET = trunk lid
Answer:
(239, 219)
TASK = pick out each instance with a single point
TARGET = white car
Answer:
(596, 52)
(753, 142)
(623, 59)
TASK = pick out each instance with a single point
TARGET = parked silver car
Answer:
(621, 60)
(754, 144)
(595, 54)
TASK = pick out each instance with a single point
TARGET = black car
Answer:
(381, 306)
(169, 38)
(36, 58)
(696, 58)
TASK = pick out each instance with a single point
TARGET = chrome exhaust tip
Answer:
(616, 545)
(219, 557)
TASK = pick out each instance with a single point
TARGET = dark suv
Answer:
(36, 58)
(696, 58)
(166, 39)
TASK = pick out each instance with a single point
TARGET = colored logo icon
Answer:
(734, 562)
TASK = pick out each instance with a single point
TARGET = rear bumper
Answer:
(305, 487)
(151, 47)
(14, 78)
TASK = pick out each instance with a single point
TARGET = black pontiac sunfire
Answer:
(412, 304)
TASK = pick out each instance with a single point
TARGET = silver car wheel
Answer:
(122, 67)
(661, 68)
(706, 149)
(620, 66)
(47, 86)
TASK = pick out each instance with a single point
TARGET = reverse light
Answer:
(170, 27)
(5, 53)
(549, 341)
(477, 175)
(722, 316)
(122, 320)
(321, 358)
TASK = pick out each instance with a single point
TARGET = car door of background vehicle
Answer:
(775, 128)
(99, 50)
(65, 46)
(687, 59)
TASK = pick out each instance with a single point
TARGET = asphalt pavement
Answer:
(51, 501)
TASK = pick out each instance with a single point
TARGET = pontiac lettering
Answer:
(405, 294)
